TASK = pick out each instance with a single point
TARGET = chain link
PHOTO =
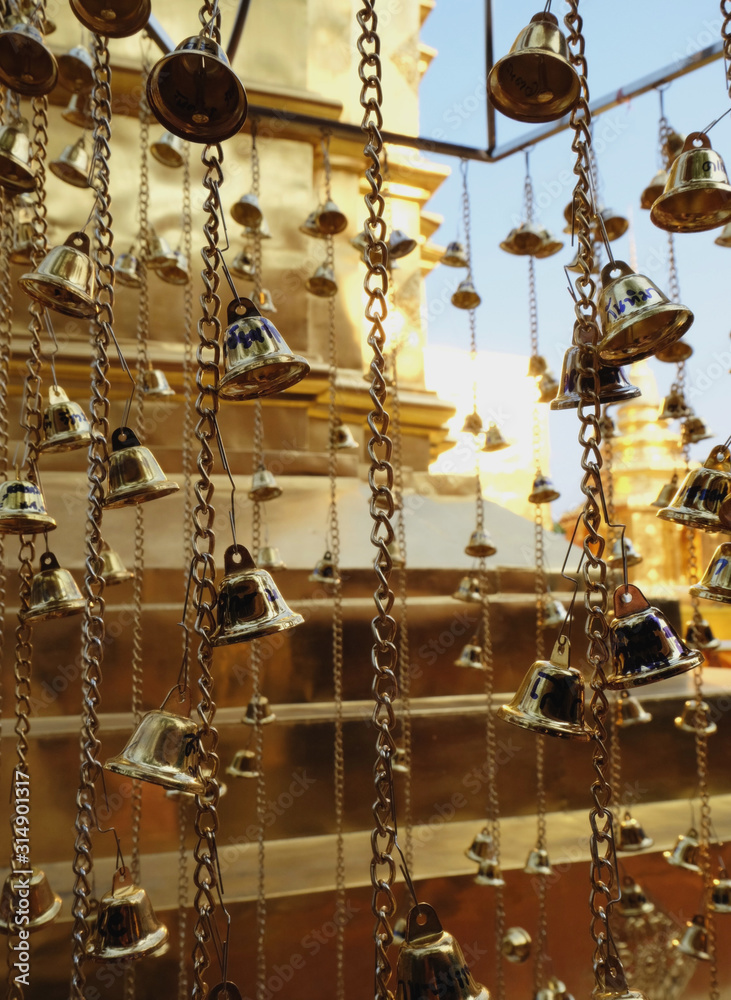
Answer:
(256, 241)
(726, 38)
(182, 897)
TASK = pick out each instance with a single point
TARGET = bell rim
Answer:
(703, 520)
(32, 283)
(570, 401)
(117, 576)
(680, 723)
(662, 218)
(173, 162)
(636, 911)
(480, 551)
(20, 185)
(493, 883)
(45, 918)
(677, 328)
(559, 109)
(283, 621)
(636, 848)
(69, 175)
(668, 855)
(173, 275)
(453, 261)
(42, 613)
(66, 441)
(545, 496)
(562, 730)
(151, 941)
(100, 26)
(39, 89)
(617, 682)
(333, 581)
(137, 493)
(264, 493)
(230, 386)
(466, 600)
(33, 523)
(119, 764)
(466, 301)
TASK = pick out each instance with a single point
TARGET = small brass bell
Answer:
(555, 990)
(175, 269)
(688, 720)
(613, 384)
(159, 251)
(537, 365)
(472, 423)
(466, 296)
(516, 945)
(548, 246)
(644, 645)
(547, 387)
(43, 904)
(697, 503)
(310, 228)
(322, 283)
(614, 225)
(454, 255)
(117, 19)
(154, 384)
(27, 66)
(724, 237)
(653, 190)
(629, 711)
(257, 361)
(720, 901)
(494, 440)
(490, 873)
(543, 490)
(631, 555)
(633, 902)
(550, 699)
(76, 70)
(673, 145)
(194, 93)
(162, 750)
(630, 835)
(264, 486)
(343, 439)
(538, 862)
(243, 266)
(22, 248)
(677, 352)
(330, 220)
(72, 166)
(325, 572)
(263, 232)
(179, 795)
(699, 635)
(23, 509)
(674, 406)
(127, 270)
(269, 558)
(685, 853)
(169, 150)
(554, 613)
(399, 244)
(430, 959)
(113, 569)
(697, 194)
(480, 545)
(694, 941)
(523, 240)
(470, 657)
(65, 425)
(535, 82)
(53, 593)
(666, 494)
(247, 211)
(15, 171)
(482, 847)
(126, 927)
(266, 303)
(637, 318)
(468, 590)
(258, 712)
(78, 112)
(694, 430)
(64, 280)
(134, 474)
(243, 765)
(249, 605)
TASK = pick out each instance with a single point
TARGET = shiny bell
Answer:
(249, 605)
(169, 150)
(262, 233)
(431, 963)
(685, 853)
(174, 270)
(614, 225)
(15, 171)
(114, 18)
(490, 873)
(480, 545)
(716, 582)
(65, 425)
(43, 904)
(163, 750)
(616, 559)
(482, 847)
(258, 712)
(247, 211)
(537, 365)
(547, 387)
(269, 558)
(134, 474)
(677, 352)
(325, 572)
(470, 657)
(637, 318)
(23, 509)
(22, 249)
(243, 765)
(555, 989)
(697, 503)
(629, 711)
(630, 835)
(177, 794)
(721, 894)
(454, 255)
(516, 945)
(468, 590)
(674, 406)
(330, 220)
(113, 569)
(322, 283)
(73, 165)
(633, 902)
(243, 266)
(694, 430)
(472, 423)
(466, 297)
(688, 720)
(310, 228)
(543, 490)
(76, 69)
(194, 93)
(523, 240)
(126, 927)
(667, 492)
(154, 384)
(343, 439)
(257, 361)
(644, 645)
(159, 252)
(27, 66)
(653, 190)
(554, 613)
(550, 699)
(494, 440)
(724, 237)
(127, 271)
(78, 112)
(613, 384)
(264, 486)
(548, 246)
(535, 82)
(538, 862)
(699, 635)
(64, 280)
(694, 941)
(697, 194)
(53, 593)
(399, 245)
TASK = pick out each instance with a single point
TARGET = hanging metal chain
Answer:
(93, 622)
(726, 37)
(256, 243)
(6, 323)
(182, 898)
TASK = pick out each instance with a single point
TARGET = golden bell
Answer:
(27, 66)
(470, 657)
(126, 927)
(247, 211)
(482, 848)
(194, 93)
(163, 750)
(78, 112)
(399, 762)
(673, 145)
(53, 593)
(76, 69)
(263, 232)
(494, 441)
(489, 873)
(175, 269)
(154, 384)
(548, 246)
(550, 699)
(523, 240)
(325, 572)
(113, 569)
(687, 721)
(134, 474)
(343, 439)
(330, 220)
(516, 945)
(23, 509)
(699, 635)
(249, 605)
(243, 266)
(667, 493)
(114, 18)
(720, 901)
(243, 765)
(547, 387)
(555, 989)
(322, 283)
(632, 556)
(614, 225)
(694, 430)
(724, 237)
(454, 255)
(538, 862)
(15, 172)
(269, 558)
(613, 384)
(266, 303)
(264, 486)
(535, 82)
(644, 645)
(431, 963)
(127, 270)
(480, 545)
(64, 280)
(537, 365)
(399, 244)
(630, 835)
(653, 190)
(468, 590)
(72, 166)
(257, 361)
(697, 503)
(159, 252)
(697, 194)
(633, 902)
(679, 351)
(310, 228)
(685, 853)
(674, 406)
(543, 490)
(43, 904)
(629, 711)
(258, 712)
(637, 318)
(169, 150)
(694, 941)
(472, 423)
(554, 613)
(22, 249)
(65, 425)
